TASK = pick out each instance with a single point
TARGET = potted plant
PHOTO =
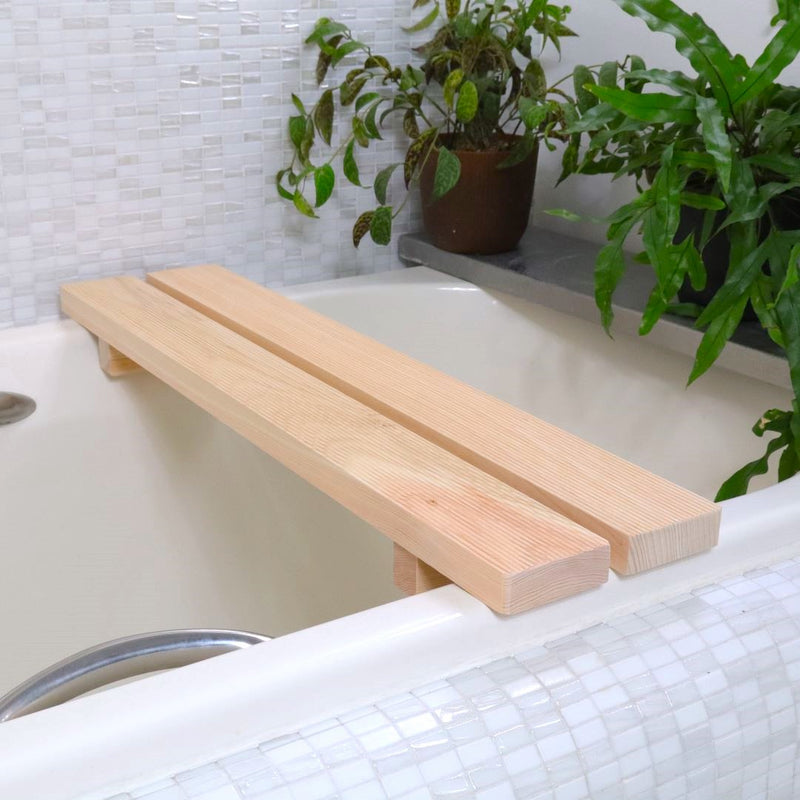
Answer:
(474, 105)
(716, 161)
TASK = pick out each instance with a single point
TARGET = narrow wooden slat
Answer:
(113, 363)
(413, 576)
(501, 546)
(648, 520)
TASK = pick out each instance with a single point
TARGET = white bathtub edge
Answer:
(138, 733)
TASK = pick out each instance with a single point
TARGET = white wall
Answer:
(140, 134)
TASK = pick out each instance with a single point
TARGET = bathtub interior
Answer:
(128, 509)
(623, 394)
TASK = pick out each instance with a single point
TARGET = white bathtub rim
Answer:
(138, 733)
(132, 735)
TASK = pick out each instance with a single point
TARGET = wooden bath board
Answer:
(469, 488)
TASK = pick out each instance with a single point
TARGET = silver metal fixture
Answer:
(15, 407)
(119, 659)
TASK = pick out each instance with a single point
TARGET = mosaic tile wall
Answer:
(696, 698)
(139, 134)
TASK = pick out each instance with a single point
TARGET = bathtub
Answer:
(126, 509)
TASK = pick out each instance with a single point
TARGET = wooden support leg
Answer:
(413, 576)
(112, 362)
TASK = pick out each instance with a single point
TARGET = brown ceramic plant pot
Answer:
(488, 209)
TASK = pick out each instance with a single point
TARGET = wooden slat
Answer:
(647, 520)
(113, 363)
(413, 576)
(501, 546)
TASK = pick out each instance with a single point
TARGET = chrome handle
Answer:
(122, 658)
(15, 407)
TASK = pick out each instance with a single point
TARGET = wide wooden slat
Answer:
(501, 546)
(647, 520)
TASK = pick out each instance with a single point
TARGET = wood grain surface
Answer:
(647, 520)
(113, 363)
(500, 545)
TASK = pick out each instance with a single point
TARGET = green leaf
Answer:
(662, 220)
(381, 184)
(595, 119)
(741, 275)
(377, 61)
(410, 127)
(307, 143)
(716, 337)
(349, 166)
(704, 202)
(694, 40)
(534, 80)
(323, 64)
(763, 301)
(369, 122)
(788, 310)
(738, 483)
(425, 22)
(792, 276)
(360, 132)
(467, 103)
(570, 157)
(420, 147)
(695, 161)
(786, 165)
(302, 205)
(533, 114)
(297, 130)
(323, 115)
(412, 77)
(755, 205)
(582, 79)
(361, 227)
(349, 91)
(651, 107)
(452, 7)
(380, 228)
(608, 74)
(298, 104)
(786, 11)
(345, 49)
(283, 192)
(564, 213)
(520, 151)
(448, 171)
(451, 84)
(675, 80)
(324, 180)
(676, 263)
(715, 136)
(609, 269)
(324, 28)
(779, 53)
(687, 310)
(365, 99)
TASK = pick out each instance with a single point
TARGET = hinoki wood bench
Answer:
(472, 490)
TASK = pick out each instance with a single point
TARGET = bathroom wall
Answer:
(139, 134)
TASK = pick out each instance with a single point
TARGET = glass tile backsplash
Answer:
(695, 698)
(142, 134)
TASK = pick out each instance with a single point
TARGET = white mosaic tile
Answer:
(141, 135)
(696, 698)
